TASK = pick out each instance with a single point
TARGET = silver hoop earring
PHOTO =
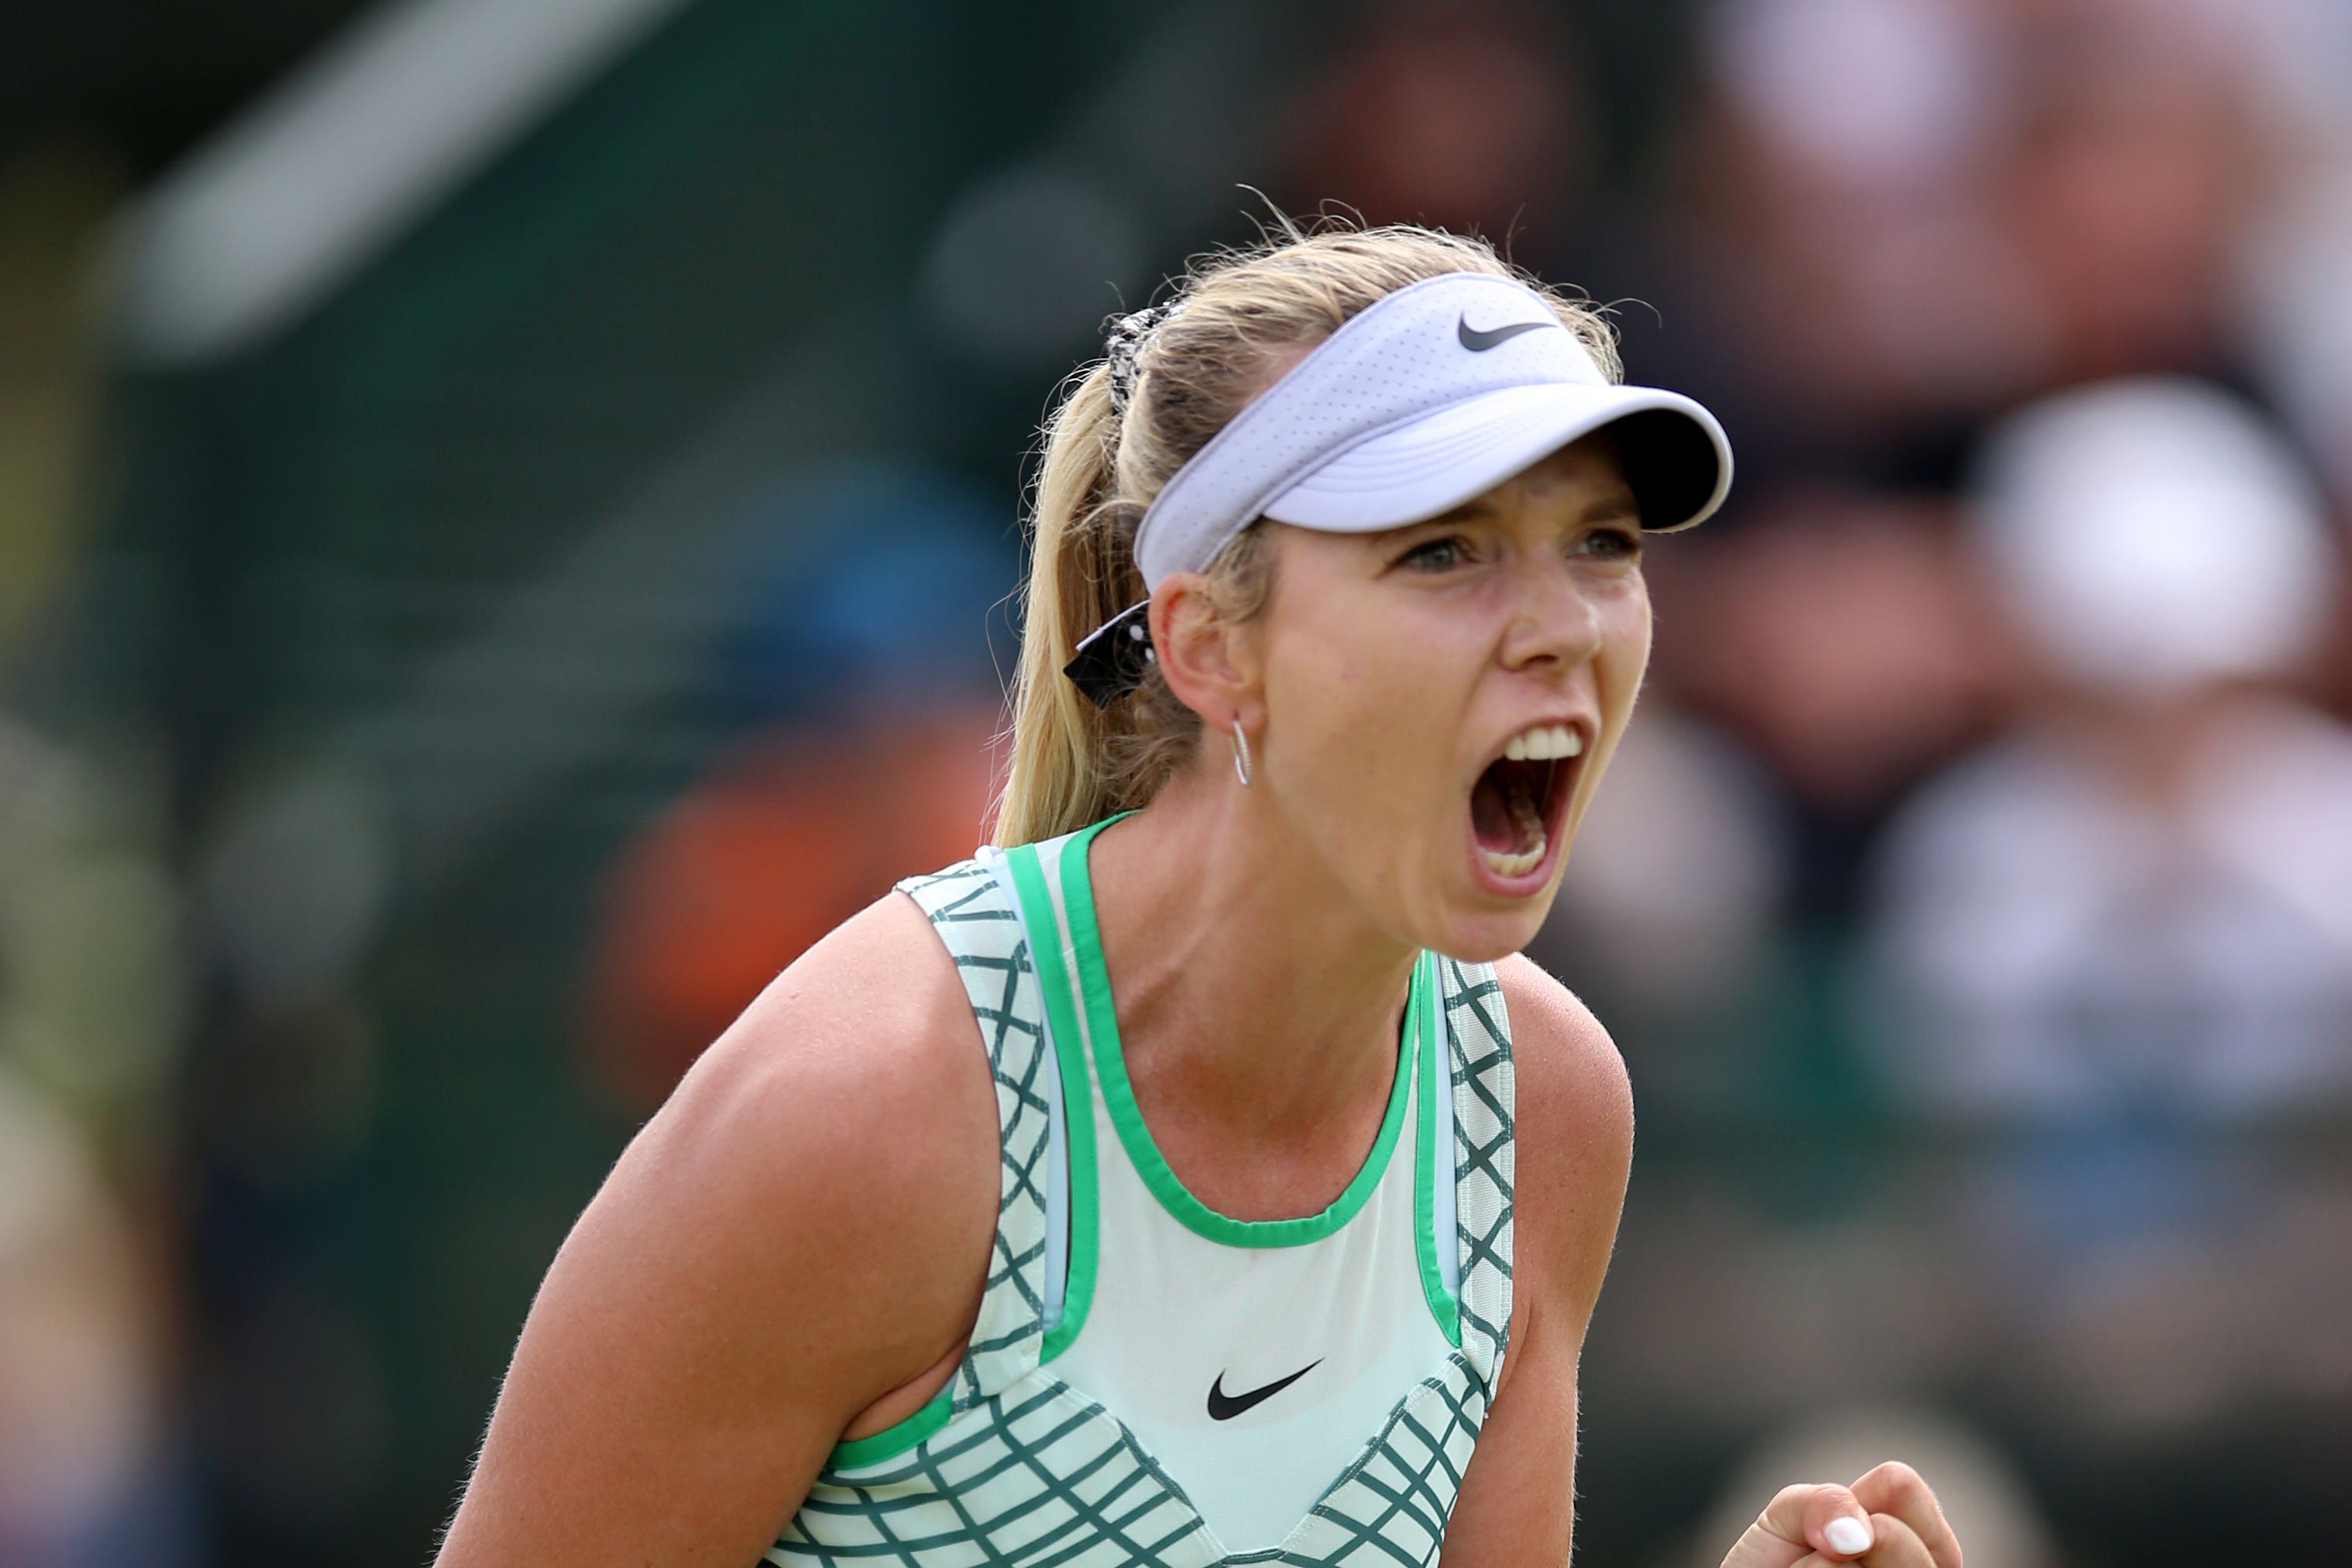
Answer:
(1241, 754)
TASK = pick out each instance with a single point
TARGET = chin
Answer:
(1476, 931)
(1490, 944)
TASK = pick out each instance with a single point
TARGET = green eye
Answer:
(1613, 543)
(1436, 554)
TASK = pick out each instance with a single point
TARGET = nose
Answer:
(1553, 627)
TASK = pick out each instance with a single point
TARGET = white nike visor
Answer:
(1415, 404)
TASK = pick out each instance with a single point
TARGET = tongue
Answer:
(1502, 808)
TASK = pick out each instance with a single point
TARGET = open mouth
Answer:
(1518, 802)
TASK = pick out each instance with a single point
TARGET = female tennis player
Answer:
(1197, 1175)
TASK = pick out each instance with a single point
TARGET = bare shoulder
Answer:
(1571, 1080)
(868, 1034)
(802, 1229)
(847, 1114)
(1573, 1137)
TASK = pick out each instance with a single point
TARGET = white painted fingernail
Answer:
(1849, 1534)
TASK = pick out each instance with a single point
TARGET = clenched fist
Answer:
(1886, 1520)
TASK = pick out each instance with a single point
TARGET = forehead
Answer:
(1580, 482)
(1586, 467)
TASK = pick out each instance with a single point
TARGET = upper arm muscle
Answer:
(802, 1228)
(1573, 1145)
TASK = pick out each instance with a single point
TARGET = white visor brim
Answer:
(1676, 456)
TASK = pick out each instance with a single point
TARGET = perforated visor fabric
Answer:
(1417, 403)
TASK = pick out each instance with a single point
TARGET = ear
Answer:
(1211, 664)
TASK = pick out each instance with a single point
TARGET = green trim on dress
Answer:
(1434, 1080)
(899, 1437)
(1118, 1094)
(1078, 1098)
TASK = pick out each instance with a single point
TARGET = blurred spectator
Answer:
(2127, 927)
(1827, 257)
(2134, 163)
(1841, 637)
(1470, 117)
(763, 856)
(2144, 896)
(1885, 221)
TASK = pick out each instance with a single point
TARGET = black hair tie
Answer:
(1123, 345)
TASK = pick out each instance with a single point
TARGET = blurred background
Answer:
(507, 509)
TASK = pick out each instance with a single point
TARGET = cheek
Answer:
(1626, 641)
(1621, 647)
(1356, 701)
(1382, 662)
(1622, 658)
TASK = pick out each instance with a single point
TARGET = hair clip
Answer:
(1113, 658)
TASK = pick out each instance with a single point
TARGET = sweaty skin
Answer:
(792, 1250)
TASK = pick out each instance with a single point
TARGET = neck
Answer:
(1294, 1040)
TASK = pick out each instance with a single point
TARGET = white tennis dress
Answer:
(1148, 1381)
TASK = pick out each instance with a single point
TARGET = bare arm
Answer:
(1574, 1143)
(795, 1241)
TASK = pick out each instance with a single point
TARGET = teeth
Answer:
(1531, 833)
(1517, 865)
(1542, 743)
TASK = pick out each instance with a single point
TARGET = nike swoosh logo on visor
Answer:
(1478, 342)
(1224, 1407)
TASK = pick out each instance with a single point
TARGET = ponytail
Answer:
(1080, 576)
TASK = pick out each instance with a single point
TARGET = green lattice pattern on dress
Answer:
(979, 928)
(1040, 1476)
(1031, 1473)
(1483, 1097)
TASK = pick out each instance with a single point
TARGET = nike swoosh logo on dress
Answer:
(1478, 342)
(1224, 1407)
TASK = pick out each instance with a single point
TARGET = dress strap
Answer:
(976, 921)
(1478, 1028)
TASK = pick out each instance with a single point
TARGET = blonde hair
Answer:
(1242, 313)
